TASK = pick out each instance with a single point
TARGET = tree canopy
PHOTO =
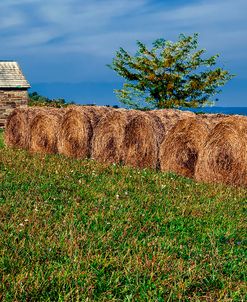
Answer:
(169, 75)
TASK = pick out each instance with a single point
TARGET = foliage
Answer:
(171, 74)
(73, 230)
(36, 99)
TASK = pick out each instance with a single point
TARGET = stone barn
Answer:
(13, 89)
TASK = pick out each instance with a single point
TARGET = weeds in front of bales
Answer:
(73, 230)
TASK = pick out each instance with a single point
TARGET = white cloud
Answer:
(205, 12)
(75, 20)
(115, 20)
(11, 21)
(98, 28)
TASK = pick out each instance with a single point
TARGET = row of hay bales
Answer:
(209, 148)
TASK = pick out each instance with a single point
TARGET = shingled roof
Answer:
(11, 75)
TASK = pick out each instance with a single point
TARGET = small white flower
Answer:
(21, 224)
(126, 193)
(117, 196)
(26, 220)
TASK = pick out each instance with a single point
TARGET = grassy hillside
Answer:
(75, 230)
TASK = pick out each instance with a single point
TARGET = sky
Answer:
(63, 46)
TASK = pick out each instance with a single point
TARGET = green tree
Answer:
(36, 99)
(170, 75)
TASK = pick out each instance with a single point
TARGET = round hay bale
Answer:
(76, 129)
(44, 129)
(140, 143)
(108, 137)
(179, 151)
(16, 133)
(224, 156)
(75, 134)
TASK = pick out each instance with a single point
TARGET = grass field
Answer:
(74, 230)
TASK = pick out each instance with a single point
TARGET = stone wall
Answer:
(9, 100)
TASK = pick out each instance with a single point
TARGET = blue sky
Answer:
(63, 46)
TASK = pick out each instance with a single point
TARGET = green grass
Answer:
(75, 230)
(1, 138)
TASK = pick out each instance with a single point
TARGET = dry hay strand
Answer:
(224, 156)
(75, 134)
(108, 137)
(140, 143)
(16, 130)
(95, 113)
(180, 149)
(169, 117)
(212, 119)
(44, 127)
